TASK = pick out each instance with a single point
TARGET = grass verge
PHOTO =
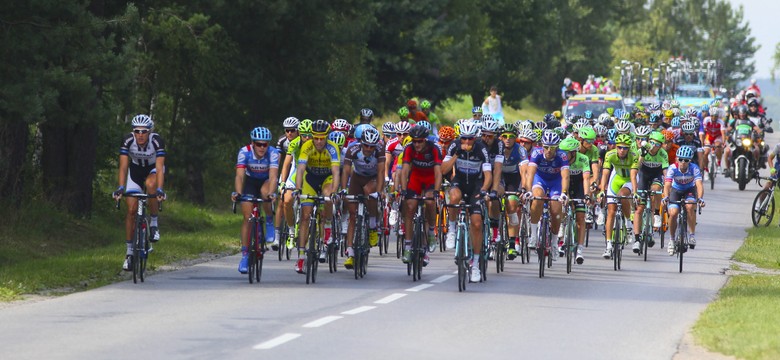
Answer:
(460, 107)
(744, 321)
(44, 251)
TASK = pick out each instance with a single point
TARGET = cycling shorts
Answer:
(357, 183)
(312, 186)
(646, 179)
(252, 187)
(676, 195)
(713, 140)
(511, 182)
(617, 182)
(136, 177)
(553, 186)
(469, 192)
(419, 184)
(577, 191)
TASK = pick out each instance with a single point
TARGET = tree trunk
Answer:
(477, 99)
(82, 152)
(14, 136)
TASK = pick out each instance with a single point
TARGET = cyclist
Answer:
(420, 176)
(621, 165)
(394, 148)
(257, 172)
(318, 173)
(414, 113)
(713, 133)
(653, 162)
(548, 171)
(515, 164)
(476, 113)
(689, 139)
(289, 170)
(471, 162)
(425, 106)
(291, 133)
(579, 188)
(388, 132)
(495, 151)
(363, 167)
(141, 168)
(683, 181)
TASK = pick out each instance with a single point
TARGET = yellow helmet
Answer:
(406, 141)
(557, 114)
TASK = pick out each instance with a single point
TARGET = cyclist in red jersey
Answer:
(420, 175)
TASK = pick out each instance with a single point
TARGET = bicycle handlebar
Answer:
(141, 196)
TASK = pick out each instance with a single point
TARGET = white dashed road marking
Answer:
(389, 299)
(281, 339)
(419, 287)
(322, 321)
(442, 279)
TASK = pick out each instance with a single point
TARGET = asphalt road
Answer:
(210, 311)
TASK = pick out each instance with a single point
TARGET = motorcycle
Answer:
(743, 163)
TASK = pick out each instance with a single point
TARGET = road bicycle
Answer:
(257, 245)
(525, 231)
(141, 244)
(419, 239)
(360, 243)
(544, 244)
(284, 235)
(712, 165)
(487, 240)
(463, 249)
(646, 220)
(763, 209)
(570, 237)
(681, 243)
(619, 231)
(314, 244)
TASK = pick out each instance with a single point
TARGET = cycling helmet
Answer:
(550, 138)
(688, 128)
(388, 128)
(618, 113)
(142, 120)
(403, 127)
(600, 130)
(337, 137)
(609, 123)
(653, 107)
(658, 136)
(623, 139)
(668, 135)
(578, 126)
(588, 114)
(715, 113)
(654, 117)
(557, 114)
(320, 127)
(542, 125)
(611, 135)
(519, 126)
(425, 104)
(676, 111)
(742, 110)
(291, 123)
(538, 133)
(340, 125)
(260, 134)
(549, 117)
(570, 144)
(424, 124)
(666, 105)
(468, 129)
(403, 112)
(675, 122)
(685, 152)
(446, 134)
(366, 113)
(705, 108)
(610, 111)
(506, 129)
(489, 125)
(370, 137)
(690, 112)
(486, 117)
(561, 131)
(752, 102)
(675, 104)
(588, 133)
(305, 126)
(529, 134)
(668, 113)
(623, 126)
(476, 110)
(411, 103)
(750, 94)
(695, 122)
(419, 132)
(625, 116)
(603, 117)
(643, 131)
(360, 129)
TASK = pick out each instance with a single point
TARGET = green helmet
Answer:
(569, 144)
(304, 127)
(623, 139)
(425, 104)
(610, 111)
(403, 112)
(508, 128)
(657, 136)
(538, 133)
(588, 133)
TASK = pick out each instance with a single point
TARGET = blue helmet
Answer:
(705, 107)
(337, 137)
(260, 134)
(676, 121)
(588, 114)
(424, 124)
(611, 135)
(360, 128)
(685, 152)
(476, 110)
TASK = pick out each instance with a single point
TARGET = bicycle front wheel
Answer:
(461, 258)
(541, 246)
(763, 209)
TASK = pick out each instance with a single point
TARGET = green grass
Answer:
(744, 321)
(46, 251)
(459, 107)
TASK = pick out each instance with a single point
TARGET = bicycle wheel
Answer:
(260, 252)
(399, 241)
(357, 245)
(145, 251)
(524, 255)
(487, 243)
(461, 258)
(542, 245)
(416, 245)
(712, 169)
(682, 237)
(311, 256)
(568, 242)
(763, 209)
(616, 238)
(501, 247)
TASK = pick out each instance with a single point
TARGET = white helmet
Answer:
(623, 126)
(603, 117)
(142, 120)
(402, 127)
(489, 125)
(468, 128)
(370, 137)
(291, 122)
(643, 131)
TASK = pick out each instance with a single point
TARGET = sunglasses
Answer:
(547, 147)
(655, 143)
(641, 138)
(418, 141)
(623, 147)
(290, 130)
(319, 137)
(403, 134)
(684, 160)
(489, 135)
(141, 131)
(467, 138)
(367, 146)
(508, 136)
(261, 144)
(589, 141)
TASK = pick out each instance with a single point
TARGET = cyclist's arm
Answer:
(159, 164)
(487, 180)
(299, 177)
(404, 176)
(273, 174)
(239, 181)
(388, 164)
(334, 186)
(699, 189)
(286, 168)
(565, 180)
(437, 178)
(529, 180)
(380, 176)
(604, 179)
(497, 169)
(633, 179)
(124, 163)
(347, 173)
(586, 182)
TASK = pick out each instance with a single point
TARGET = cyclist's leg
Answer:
(718, 149)
(430, 215)
(613, 186)
(690, 208)
(455, 196)
(151, 189)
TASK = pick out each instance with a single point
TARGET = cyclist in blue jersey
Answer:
(515, 164)
(683, 180)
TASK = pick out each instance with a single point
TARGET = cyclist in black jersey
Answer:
(290, 133)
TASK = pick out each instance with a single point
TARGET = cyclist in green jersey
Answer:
(289, 171)
(621, 166)
(579, 180)
(653, 162)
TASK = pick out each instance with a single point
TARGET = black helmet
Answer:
(419, 132)
(752, 102)
(320, 127)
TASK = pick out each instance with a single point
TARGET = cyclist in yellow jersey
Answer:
(318, 174)
(620, 169)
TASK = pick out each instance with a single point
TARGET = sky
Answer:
(762, 16)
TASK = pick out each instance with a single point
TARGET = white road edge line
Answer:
(322, 321)
(279, 340)
(389, 299)
(419, 287)
(358, 310)
(442, 279)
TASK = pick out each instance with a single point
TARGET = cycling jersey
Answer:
(651, 169)
(621, 167)
(469, 165)
(683, 181)
(592, 154)
(362, 164)
(282, 144)
(495, 151)
(512, 162)
(395, 149)
(579, 166)
(143, 155)
(257, 168)
(423, 164)
(548, 169)
(712, 127)
(319, 163)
